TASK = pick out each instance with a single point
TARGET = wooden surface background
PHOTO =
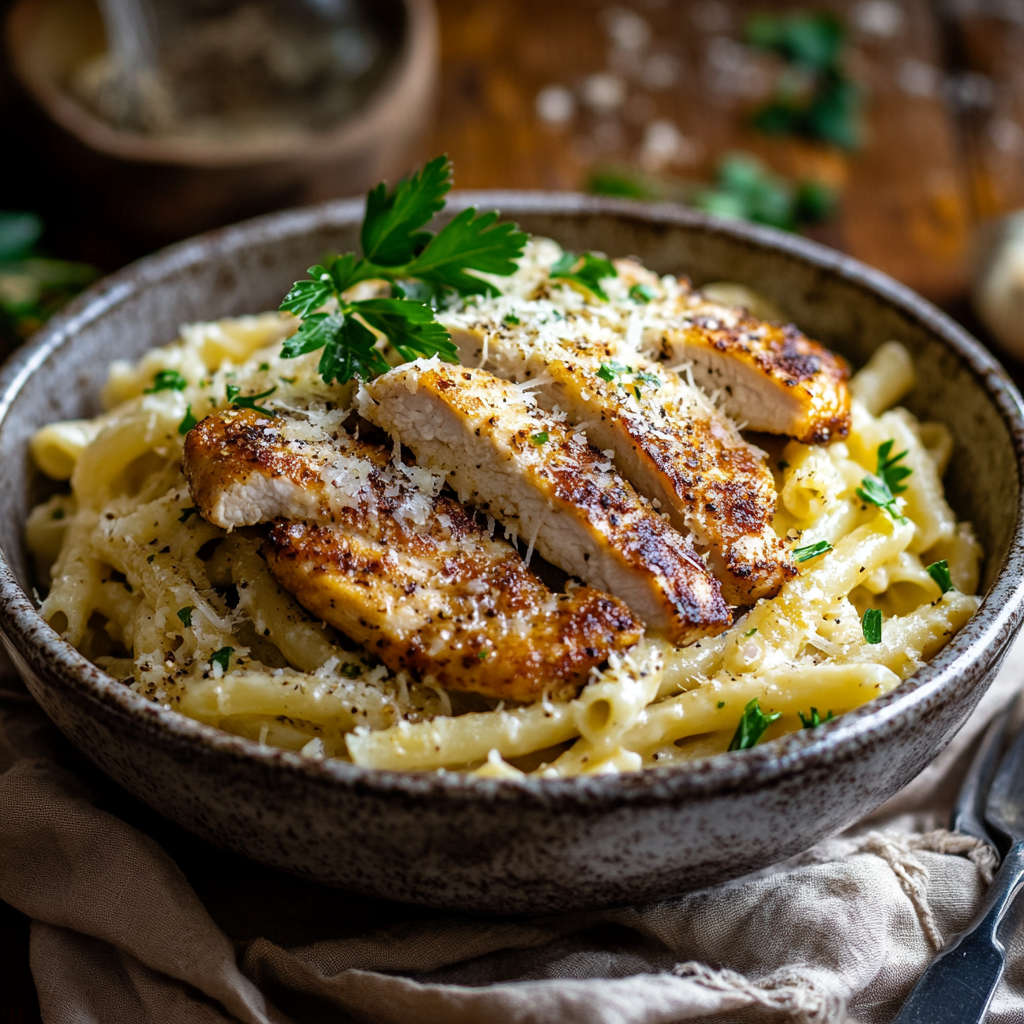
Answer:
(944, 150)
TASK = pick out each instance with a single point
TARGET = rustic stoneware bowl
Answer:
(528, 845)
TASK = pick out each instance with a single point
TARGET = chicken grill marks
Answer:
(669, 442)
(529, 470)
(404, 572)
(772, 378)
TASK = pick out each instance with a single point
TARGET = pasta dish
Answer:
(620, 523)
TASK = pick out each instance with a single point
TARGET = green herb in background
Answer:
(744, 189)
(814, 97)
(32, 287)
(423, 268)
(752, 725)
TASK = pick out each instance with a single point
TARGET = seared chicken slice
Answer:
(399, 568)
(770, 377)
(668, 440)
(677, 451)
(528, 470)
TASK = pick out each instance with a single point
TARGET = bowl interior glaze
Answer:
(569, 835)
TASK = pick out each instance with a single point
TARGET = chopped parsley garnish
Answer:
(888, 471)
(649, 378)
(58, 513)
(871, 625)
(642, 293)
(810, 551)
(751, 631)
(167, 380)
(586, 271)
(876, 492)
(350, 670)
(541, 437)
(185, 614)
(939, 571)
(188, 422)
(249, 401)
(264, 367)
(187, 514)
(483, 655)
(752, 725)
(610, 370)
(222, 657)
(783, 464)
(423, 268)
(149, 558)
(721, 704)
(511, 319)
(815, 719)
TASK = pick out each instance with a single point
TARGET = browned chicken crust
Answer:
(706, 478)
(771, 377)
(526, 468)
(408, 574)
(668, 440)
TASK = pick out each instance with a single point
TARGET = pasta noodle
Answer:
(192, 617)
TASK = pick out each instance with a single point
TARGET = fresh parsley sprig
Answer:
(882, 488)
(887, 470)
(586, 272)
(422, 267)
(752, 725)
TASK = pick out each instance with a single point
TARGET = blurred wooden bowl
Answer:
(165, 187)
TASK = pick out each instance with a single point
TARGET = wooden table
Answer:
(945, 120)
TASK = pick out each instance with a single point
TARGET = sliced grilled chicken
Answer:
(527, 469)
(770, 377)
(668, 440)
(399, 568)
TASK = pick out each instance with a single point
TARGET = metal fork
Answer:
(958, 985)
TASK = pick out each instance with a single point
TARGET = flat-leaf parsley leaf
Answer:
(188, 422)
(752, 725)
(814, 719)
(249, 401)
(222, 657)
(167, 380)
(586, 271)
(871, 626)
(939, 571)
(810, 551)
(422, 268)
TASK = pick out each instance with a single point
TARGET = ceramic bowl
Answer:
(527, 845)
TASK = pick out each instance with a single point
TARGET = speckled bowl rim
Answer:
(961, 663)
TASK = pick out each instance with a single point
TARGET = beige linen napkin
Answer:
(135, 921)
